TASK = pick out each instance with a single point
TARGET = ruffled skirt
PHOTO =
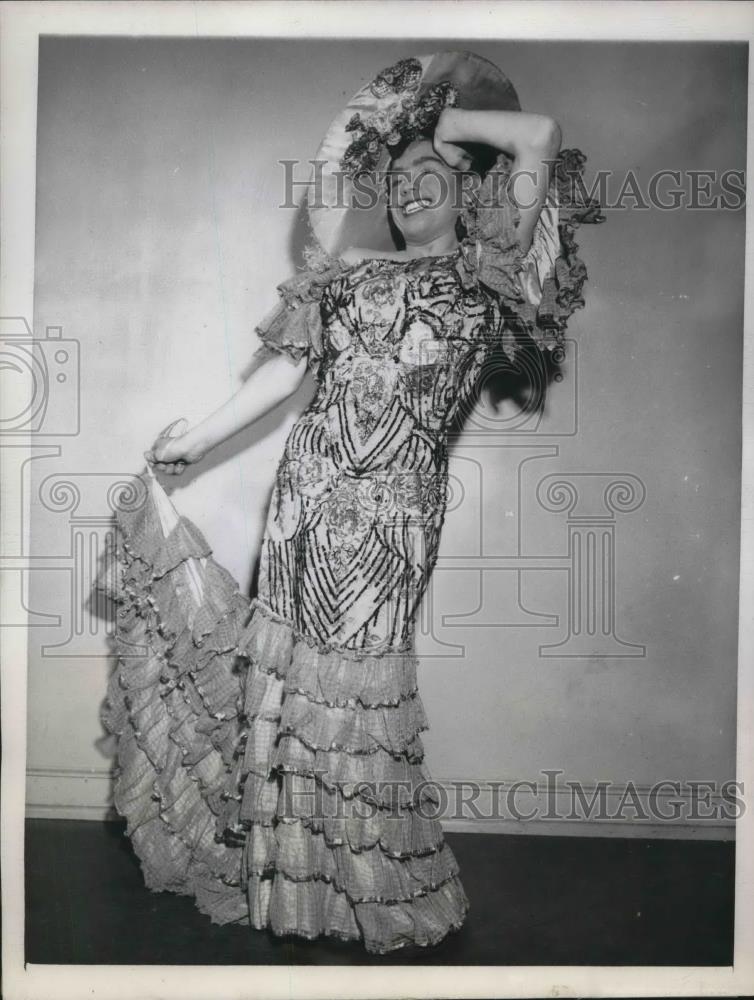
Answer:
(278, 782)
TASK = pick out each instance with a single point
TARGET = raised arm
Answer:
(532, 140)
(269, 385)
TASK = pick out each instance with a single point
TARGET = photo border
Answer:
(21, 23)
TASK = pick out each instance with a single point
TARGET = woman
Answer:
(270, 762)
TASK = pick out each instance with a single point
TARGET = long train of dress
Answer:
(278, 782)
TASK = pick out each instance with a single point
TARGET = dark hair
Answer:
(482, 156)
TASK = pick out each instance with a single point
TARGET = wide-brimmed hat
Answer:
(401, 101)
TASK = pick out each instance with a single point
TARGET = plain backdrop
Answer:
(159, 243)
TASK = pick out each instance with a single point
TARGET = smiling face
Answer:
(422, 194)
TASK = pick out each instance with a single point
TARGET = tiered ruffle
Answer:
(294, 325)
(492, 255)
(332, 793)
(172, 702)
(279, 781)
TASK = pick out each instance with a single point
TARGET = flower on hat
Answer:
(402, 115)
(405, 75)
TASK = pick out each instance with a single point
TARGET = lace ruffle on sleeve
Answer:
(294, 326)
(538, 290)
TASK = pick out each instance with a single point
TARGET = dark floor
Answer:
(534, 901)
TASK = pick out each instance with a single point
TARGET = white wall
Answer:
(159, 245)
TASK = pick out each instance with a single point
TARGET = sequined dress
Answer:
(270, 755)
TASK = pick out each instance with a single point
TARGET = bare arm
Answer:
(532, 140)
(269, 385)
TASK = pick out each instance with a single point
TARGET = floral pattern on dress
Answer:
(360, 496)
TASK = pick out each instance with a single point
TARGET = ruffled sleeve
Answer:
(294, 326)
(538, 290)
